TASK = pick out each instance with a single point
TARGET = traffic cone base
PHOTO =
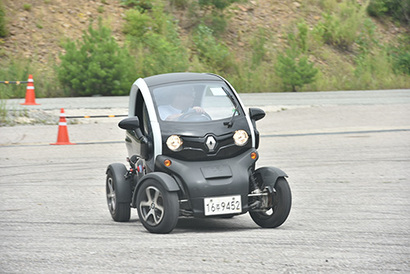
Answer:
(62, 136)
(30, 98)
(30, 94)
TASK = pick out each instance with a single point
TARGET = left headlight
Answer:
(240, 137)
(174, 142)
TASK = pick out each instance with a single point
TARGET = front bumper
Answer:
(204, 179)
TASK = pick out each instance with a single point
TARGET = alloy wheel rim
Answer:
(111, 197)
(152, 206)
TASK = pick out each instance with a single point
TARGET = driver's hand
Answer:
(198, 109)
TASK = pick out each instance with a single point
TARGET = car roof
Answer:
(180, 77)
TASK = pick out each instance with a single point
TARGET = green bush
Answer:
(155, 42)
(401, 62)
(3, 29)
(96, 65)
(341, 27)
(398, 9)
(16, 69)
(400, 55)
(366, 39)
(295, 70)
(253, 79)
(292, 65)
(137, 24)
(374, 71)
(211, 52)
(377, 8)
(161, 56)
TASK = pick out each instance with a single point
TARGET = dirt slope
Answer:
(39, 30)
(38, 27)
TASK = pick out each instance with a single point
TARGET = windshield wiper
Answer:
(230, 123)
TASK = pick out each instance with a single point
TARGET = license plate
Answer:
(222, 205)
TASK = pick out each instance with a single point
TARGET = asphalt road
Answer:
(347, 155)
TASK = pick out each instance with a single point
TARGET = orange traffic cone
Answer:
(30, 95)
(62, 137)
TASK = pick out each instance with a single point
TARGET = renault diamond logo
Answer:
(210, 143)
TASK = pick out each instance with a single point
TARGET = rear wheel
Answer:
(158, 209)
(281, 204)
(120, 212)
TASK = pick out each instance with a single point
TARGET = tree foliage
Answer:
(295, 70)
(214, 54)
(96, 65)
(398, 9)
(293, 65)
(154, 40)
(400, 55)
(341, 27)
(3, 29)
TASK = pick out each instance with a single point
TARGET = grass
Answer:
(3, 112)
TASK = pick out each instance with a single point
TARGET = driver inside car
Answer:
(181, 103)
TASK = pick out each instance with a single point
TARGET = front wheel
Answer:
(158, 209)
(120, 211)
(281, 204)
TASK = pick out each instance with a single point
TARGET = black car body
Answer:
(192, 150)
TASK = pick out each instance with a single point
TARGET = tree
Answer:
(293, 65)
(96, 65)
(295, 70)
(3, 29)
(154, 40)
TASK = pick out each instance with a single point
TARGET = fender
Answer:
(166, 180)
(270, 175)
(123, 185)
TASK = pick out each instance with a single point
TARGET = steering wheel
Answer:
(194, 116)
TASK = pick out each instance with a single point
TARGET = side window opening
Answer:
(145, 121)
(142, 113)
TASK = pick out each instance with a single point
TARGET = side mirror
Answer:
(133, 124)
(130, 123)
(256, 113)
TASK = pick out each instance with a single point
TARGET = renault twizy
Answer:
(192, 151)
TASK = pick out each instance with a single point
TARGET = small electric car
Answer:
(192, 150)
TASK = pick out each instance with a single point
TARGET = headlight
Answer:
(174, 143)
(240, 137)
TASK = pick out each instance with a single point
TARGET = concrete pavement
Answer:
(348, 161)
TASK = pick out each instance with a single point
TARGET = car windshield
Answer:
(194, 102)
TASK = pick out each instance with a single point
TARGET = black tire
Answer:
(277, 215)
(120, 212)
(158, 209)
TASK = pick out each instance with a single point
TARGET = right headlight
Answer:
(240, 137)
(174, 142)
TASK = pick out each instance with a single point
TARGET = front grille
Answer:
(195, 148)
